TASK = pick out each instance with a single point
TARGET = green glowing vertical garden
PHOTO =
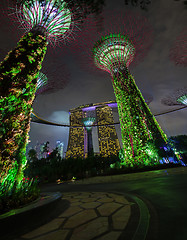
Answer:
(18, 77)
(141, 134)
(45, 21)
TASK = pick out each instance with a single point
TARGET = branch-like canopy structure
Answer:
(52, 17)
(177, 97)
(178, 51)
(88, 122)
(113, 51)
(44, 21)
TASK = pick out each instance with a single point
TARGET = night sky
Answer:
(155, 75)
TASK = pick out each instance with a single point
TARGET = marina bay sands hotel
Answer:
(82, 121)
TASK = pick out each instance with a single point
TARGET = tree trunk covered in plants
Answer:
(18, 79)
(138, 126)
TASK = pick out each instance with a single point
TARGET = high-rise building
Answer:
(80, 136)
(60, 146)
(108, 141)
(76, 134)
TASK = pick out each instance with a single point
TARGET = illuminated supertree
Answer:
(88, 122)
(45, 21)
(41, 83)
(178, 51)
(53, 77)
(113, 51)
(177, 97)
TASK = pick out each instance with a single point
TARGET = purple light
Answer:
(112, 105)
(89, 108)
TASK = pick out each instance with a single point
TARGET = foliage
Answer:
(25, 192)
(113, 53)
(53, 168)
(32, 155)
(18, 77)
(179, 145)
(139, 128)
(179, 142)
(45, 149)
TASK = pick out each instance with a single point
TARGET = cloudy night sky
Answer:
(155, 75)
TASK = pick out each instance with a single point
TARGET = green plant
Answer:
(24, 192)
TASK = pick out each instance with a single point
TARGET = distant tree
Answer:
(179, 142)
(45, 149)
(54, 156)
(32, 154)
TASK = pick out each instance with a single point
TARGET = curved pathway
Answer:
(91, 215)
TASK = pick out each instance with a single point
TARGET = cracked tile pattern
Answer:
(91, 215)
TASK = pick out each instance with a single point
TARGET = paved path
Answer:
(91, 215)
(117, 212)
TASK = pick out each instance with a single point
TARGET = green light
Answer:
(41, 81)
(88, 122)
(114, 53)
(18, 79)
(113, 50)
(183, 99)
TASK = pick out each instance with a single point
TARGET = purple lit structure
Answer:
(124, 42)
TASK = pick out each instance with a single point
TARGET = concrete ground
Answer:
(100, 215)
(91, 215)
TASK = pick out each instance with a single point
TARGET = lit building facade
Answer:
(107, 136)
(76, 135)
(80, 139)
(60, 147)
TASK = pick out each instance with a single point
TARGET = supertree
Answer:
(177, 97)
(113, 51)
(41, 83)
(178, 51)
(45, 21)
(53, 76)
(88, 122)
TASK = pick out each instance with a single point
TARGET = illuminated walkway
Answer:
(91, 215)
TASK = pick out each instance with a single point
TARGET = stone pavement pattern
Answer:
(91, 215)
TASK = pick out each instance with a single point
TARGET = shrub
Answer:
(22, 193)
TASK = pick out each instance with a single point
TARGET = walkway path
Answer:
(91, 215)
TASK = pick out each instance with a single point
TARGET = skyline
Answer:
(156, 75)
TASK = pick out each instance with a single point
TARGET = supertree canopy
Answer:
(112, 51)
(45, 20)
(183, 99)
(141, 133)
(88, 122)
(41, 82)
(178, 51)
(54, 76)
(177, 97)
(53, 16)
(57, 73)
